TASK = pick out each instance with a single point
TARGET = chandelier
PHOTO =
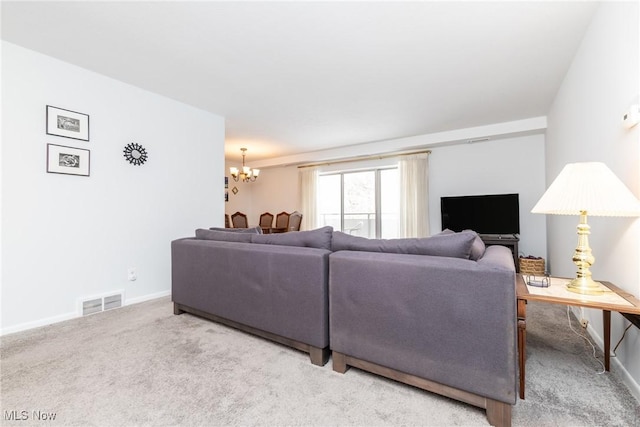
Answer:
(246, 174)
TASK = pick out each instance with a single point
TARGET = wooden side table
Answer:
(615, 300)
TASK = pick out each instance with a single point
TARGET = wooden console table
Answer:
(615, 300)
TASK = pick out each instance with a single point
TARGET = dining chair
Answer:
(239, 220)
(266, 222)
(227, 221)
(282, 223)
(294, 221)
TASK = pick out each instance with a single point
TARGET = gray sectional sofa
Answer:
(438, 313)
(446, 324)
(275, 290)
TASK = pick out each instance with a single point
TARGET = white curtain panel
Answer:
(414, 195)
(309, 198)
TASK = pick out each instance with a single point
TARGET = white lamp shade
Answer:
(590, 187)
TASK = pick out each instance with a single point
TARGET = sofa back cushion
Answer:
(223, 236)
(319, 238)
(252, 230)
(456, 245)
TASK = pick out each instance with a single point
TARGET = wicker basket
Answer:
(532, 266)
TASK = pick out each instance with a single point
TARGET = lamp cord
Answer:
(593, 347)
(621, 338)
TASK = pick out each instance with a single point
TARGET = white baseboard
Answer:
(149, 297)
(73, 315)
(627, 379)
(616, 365)
(38, 323)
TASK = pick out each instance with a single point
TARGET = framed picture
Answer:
(67, 160)
(68, 124)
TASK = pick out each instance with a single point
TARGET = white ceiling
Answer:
(292, 77)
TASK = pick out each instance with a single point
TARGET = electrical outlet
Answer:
(131, 274)
(584, 323)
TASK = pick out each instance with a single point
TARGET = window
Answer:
(361, 203)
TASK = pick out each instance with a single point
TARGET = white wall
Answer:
(490, 167)
(584, 124)
(276, 190)
(514, 165)
(242, 201)
(67, 237)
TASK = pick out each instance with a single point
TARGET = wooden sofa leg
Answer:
(498, 413)
(176, 309)
(319, 356)
(339, 362)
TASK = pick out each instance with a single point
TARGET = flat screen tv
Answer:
(486, 214)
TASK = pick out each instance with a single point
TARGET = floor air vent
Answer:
(91, 306)
(112, 301)
(102, 303)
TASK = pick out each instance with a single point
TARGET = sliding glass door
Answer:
(361, 203)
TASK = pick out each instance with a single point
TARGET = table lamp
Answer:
(587, 189)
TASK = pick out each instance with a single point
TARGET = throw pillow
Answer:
(445, 232)
(319, 238)
(478, 247)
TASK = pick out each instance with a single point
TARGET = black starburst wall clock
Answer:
(135, 154)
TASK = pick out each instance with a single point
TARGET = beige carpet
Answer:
(143, 366)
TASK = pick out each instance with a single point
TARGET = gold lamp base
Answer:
(585, 286)
(583, 258)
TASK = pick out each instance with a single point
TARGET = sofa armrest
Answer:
(497, 257)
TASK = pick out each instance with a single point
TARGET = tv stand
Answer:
(508, 240)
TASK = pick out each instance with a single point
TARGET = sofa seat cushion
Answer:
(456, 245)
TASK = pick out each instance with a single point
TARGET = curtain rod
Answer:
(372, 157)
